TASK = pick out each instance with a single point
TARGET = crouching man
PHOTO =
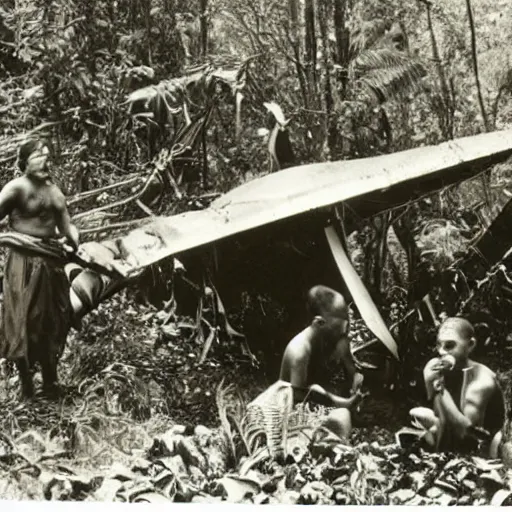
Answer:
(307, 353)
(468, 410)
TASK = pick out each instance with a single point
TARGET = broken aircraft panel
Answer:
(368, 185)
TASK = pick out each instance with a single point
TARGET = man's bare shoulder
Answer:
(298, 347)
(485, 377)
(12, 194)
(15, 185)
(58, 197)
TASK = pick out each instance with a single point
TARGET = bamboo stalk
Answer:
(90, 193)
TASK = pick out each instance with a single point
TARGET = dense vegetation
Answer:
(157, 106)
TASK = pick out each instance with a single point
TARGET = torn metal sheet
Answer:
(298, 190)
(367, 308)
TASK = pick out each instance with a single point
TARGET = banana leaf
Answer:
(362, 298)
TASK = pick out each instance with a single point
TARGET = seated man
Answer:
(468, 409)
(306, 354)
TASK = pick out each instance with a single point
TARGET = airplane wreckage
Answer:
(366, 186)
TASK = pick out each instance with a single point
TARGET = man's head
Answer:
(456, 337)
(32, 158)
(330, 313)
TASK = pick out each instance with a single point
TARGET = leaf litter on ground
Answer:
(110, 439)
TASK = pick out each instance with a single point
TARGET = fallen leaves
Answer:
(237, 488)
(177, 468)
(186, 464)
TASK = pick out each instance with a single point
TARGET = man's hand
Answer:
(433, 374)
(356, 399)
(432, 371)
(357, 382)
(69, 245)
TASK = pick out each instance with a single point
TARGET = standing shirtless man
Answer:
(36, 309)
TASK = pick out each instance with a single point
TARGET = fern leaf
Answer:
(377, 58)
(222, 408)
(385, 84)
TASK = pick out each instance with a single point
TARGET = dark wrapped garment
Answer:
(36, 311)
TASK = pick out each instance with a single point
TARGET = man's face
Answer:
(337, 352)
(451, 341)
(335, 329)
(36, 162)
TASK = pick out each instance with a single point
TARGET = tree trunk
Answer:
(330, 118)
(342, 42)
(293, 29)
(293, 25)
(475, 66)
(495, 106)
(445, 116)
(485, 176)
(310, 46)
(147, 16)
(203, 6)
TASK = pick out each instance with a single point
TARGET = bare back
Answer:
(295, 362)
(34, 207)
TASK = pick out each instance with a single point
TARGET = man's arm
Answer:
(431, 373)
(478, 398)
(8, 196)
(63, 220)
(314, 393)
(320, 396)
(347, 358)
(474, 409)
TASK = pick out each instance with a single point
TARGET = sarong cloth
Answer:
(36, 311)
(91, 285)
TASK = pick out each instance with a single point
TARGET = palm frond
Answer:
(366, 35)
(268, 423)
(253, 432)
(387, 83)
(248, 427)
(271, 409)
(379, 58)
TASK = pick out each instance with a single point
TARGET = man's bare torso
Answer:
(467, 392)
(34, 210)
(297, 352)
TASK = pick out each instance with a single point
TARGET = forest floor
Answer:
(138, 422)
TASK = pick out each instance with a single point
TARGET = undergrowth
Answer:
(121, 386)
